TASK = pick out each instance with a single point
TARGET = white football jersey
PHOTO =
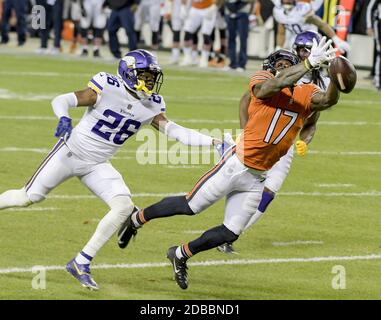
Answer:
(114, 118)
(294, 21)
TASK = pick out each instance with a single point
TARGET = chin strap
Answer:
(141, 86)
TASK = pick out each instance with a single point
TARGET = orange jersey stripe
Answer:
(202, 4)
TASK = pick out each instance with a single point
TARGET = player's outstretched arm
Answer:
(324, 100)
(62, 103)
(342, 45)
(184, 135)
(243, 109)
(286, 78)
(309, 128)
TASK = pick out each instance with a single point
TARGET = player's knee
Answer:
(228, 235)
(179, 204)
(176, 36)
(98, 33)
(188, 36)
(121, 207)
(84, 32)
(207, 39)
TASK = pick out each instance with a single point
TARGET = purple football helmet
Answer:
(270, 61)
(305, 39)
(138, 61)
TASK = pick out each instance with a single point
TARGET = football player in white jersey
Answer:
(118, 106)
(278, 173)
(298, 16)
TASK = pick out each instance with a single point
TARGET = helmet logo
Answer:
(130, 61)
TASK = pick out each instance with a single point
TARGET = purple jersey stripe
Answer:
(42, 165)
(96, 84)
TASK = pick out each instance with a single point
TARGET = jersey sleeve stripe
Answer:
(94, 87)
(97, 84)
(260, 78)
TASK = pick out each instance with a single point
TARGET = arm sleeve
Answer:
(369, 13)
(62, 103)
(187, 136)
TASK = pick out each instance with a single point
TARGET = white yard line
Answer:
(32, 209)
(334, 185)
(202, 151)
(201, 263)
(192, 120)
(296, 243)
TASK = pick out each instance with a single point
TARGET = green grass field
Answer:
(331, 199)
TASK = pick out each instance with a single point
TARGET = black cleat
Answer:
(96, 53)
(84, 53)
(227, 248)
(179, 268)
(127, 231)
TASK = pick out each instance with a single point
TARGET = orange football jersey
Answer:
(202, 4)
(273, 123)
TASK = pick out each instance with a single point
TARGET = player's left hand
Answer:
(64, 127)
(301, 147)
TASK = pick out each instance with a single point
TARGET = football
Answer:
(343, 74)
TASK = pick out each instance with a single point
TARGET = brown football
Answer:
(343, 74)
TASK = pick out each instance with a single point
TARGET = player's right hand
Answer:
(321, 52)
(64, 127)
(301, 147)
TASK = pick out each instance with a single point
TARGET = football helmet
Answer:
(305, 39)
(270, 62)
(303, 43)
(136, 63)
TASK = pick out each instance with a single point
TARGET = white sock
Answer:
(175, 53)
(121, 207)
(179, 253)
(135, 220)
(83, 258)
(14, 198)
(256, 216)
(194, 54)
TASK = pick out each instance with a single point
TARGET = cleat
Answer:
(127, 231)
(82, 273)
(179, 268)
(84, 53)
(227, 248)
(96, 53)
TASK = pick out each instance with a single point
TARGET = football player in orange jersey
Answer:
(277, 111)
(278, 173)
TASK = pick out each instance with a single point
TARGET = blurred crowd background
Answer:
(203, 33)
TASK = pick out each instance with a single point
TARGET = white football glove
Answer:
(321, 53)
(342, 45)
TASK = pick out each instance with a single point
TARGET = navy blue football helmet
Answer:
(136, 62)
(270, 61)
